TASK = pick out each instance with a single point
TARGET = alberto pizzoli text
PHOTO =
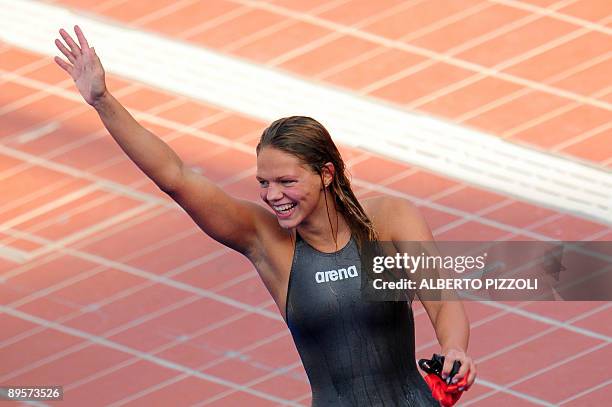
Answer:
(458, 284)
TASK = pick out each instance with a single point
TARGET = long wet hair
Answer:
(307, 139)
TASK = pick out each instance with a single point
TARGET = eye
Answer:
(263, 184)
(288, 182)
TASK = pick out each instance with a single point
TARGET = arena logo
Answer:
(335, 275)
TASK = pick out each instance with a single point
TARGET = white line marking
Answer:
(503, 389)
(48, 207)
(92, 230)
(94, 306)
(541, 333)
(506, 387)
(227, 355)
(12, 254)
(123, 327)
(356, 121)
(142, 355)
(587, 391)
(581, 137)
(427, 53)
(71, 171)
(551, 321)
(253, 382)
(37, 133)
(162, 279)
(122, 190)
(559, 16)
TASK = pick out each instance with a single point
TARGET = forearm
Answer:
(452, 326)
(151, 154)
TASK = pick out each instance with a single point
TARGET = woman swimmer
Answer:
(355, 353)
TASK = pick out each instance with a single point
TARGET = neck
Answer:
(325, 231)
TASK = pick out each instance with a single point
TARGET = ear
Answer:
(327, 174)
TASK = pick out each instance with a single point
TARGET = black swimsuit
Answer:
(355, 353)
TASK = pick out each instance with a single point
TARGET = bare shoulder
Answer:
(372, 205)
(382, 206)
(396, 218)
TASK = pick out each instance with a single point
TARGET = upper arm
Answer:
(230, 221)
(409, 225)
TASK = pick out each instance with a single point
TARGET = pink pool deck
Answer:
(120, 297)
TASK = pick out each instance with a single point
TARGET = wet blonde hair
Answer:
(307, 139)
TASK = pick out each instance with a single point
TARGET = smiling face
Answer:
(296, 156)
(289, 187)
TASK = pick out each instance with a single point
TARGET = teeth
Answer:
(285, 207)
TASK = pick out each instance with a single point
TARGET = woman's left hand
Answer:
(467, 366)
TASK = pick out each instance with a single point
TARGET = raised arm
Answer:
(228, 220)
(154, 157)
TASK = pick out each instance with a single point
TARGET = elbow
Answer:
(170, 179)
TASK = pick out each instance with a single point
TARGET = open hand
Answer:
(83, 65)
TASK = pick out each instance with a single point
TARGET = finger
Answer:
(470, 380)
(448, 365)
(63, 64)
(468, 383)
(65, 51)
(465, 365)
(471, 376)
(82, 41)
(70, 42)
(93, 52)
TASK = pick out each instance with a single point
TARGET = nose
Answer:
(273, 192)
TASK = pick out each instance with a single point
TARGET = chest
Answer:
(325, 288)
